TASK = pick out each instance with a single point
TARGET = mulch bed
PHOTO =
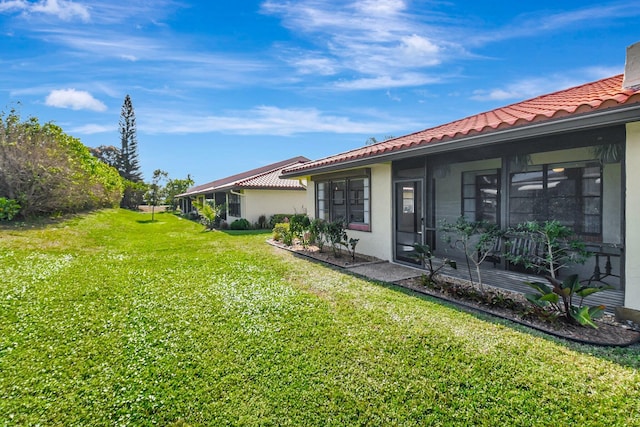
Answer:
(344, 260)
(609, 331)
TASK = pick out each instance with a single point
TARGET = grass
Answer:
(109, 319)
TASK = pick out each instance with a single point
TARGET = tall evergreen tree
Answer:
(128, 164)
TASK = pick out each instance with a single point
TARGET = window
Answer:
(481, 196)
(567, 192)
(344, 199)
(234, 205)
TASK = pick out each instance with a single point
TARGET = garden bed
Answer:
(345, 260)
(514, 307)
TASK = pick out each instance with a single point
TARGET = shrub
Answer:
(240, 224)
(209, 212)
(475, 238)
(9, 208)
(561, 298)
(299, 226)
(317, 232)
(279, 219)
(280, 231)
(424, 255)
(559, 249)
(262, 223)
(337, 236)
(47, 171)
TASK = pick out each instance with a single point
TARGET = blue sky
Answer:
(222, 87)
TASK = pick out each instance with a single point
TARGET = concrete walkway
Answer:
(385, 271)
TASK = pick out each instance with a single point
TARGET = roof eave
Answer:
(598, 118)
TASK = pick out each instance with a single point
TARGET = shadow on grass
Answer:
(146, 221)
(40, 223)
(246, 232)
(628, 356)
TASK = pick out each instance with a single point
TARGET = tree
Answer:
(46, 171)
(107, 154)
(175, 187)
(373, 140)
(476, 239)
(155, 190)
(128, 165)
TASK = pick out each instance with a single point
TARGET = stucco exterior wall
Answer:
(632, 225)
(378, 241)
(269, 202)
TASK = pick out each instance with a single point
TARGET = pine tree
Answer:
(128, 164)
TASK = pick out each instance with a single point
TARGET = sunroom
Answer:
(575, 178)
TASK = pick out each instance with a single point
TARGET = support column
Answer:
(632, 222)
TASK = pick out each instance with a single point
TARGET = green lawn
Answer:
(110, 319)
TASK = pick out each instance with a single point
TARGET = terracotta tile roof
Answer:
(598, 95)
(269, 180)
(265, 177)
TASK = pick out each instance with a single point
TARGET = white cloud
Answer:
(392, 97)
(381, 7)
(90, 129)
(373, 38)
(386, 81)
(74, 99)
(535, 24)
(265, 120)
(63, 9)
(316, 65)
(536, 86)
(18, 5)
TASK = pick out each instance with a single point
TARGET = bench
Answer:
(517, 245)
(513, 246)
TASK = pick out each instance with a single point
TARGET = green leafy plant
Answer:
(476, 239)
(299, 225)
(557, 247)
(337, 235)
(608, 153)
(278, 219)
(281, 232)
(317, 233)
(240, 224)
(560, 297)
(351, 247)
(209, 212)
(9, 209)
(424, 255)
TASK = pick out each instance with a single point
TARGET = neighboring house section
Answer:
(571, 155)
(253, 193)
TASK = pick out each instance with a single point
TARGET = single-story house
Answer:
(253, 193)
(567, 155)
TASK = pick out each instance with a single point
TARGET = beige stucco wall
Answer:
(632, 226)
(378, 241)
(269, 202)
